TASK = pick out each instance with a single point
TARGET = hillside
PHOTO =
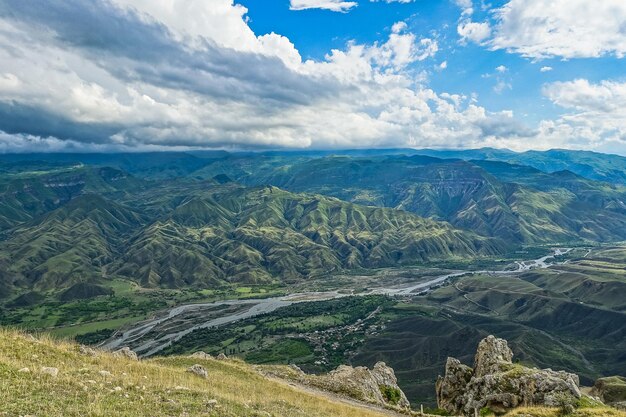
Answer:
(44, 254)
(591, 165)
(40, 376)
(104, 385)
(517, 203)
(201, 235)
(34, 190)
(252, 235)
(569, 316)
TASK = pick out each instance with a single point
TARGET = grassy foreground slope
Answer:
(159, 387)
(104, 385)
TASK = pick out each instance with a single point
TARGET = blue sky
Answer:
(470, 68)
(258, 74)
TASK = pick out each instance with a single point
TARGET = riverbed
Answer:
(149, 337)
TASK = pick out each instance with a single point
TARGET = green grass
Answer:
(296, 350)
(73, 331)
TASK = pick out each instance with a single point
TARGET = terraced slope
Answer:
(568, 317)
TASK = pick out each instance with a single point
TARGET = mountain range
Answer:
(215, 219)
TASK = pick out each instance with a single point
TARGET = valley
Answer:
(391, 257)
(150, 337)
(414, 327)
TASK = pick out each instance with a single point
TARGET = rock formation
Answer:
(201, 355)
(611, 391)
(198, 370)
(498, 384)
(377, 385)
(126, 352)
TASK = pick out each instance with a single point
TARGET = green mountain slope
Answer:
(39, 188)
(515, 203)
(237, 234)
(69, 245)
(201, 235)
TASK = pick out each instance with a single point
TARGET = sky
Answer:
(109, 75)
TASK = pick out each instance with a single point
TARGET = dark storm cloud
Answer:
(16, 118)
(134, 49)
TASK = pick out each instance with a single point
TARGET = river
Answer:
(146, 341)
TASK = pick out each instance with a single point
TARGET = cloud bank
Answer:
(133, 74)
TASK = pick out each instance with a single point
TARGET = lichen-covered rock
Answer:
(221, 357)
(378, 385)
(497, 383)
(451, 387)
(198, 370)
(491, 354)
(201, 355)
(53, 372)
(126, 352)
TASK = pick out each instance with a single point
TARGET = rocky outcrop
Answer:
(198, 370)
(378, 385)
(126, 352)
(611, 391)
(87, 351)
(498, 384)
(201, 355)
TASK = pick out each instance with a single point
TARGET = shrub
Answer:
(390, 394)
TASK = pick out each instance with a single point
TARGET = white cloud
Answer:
(90, 77)
(502, 85)
(222, 22)
(545, 69)
(501, 69)
(333, 5)
(561, 28)
(473, 31)
(467, 7)
(398, 27)
(596, 114)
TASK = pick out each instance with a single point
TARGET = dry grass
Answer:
(554, 412)
(159, 387)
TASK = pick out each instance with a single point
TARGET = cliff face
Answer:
(498, 384)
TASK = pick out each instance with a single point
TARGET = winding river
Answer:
(151, 336)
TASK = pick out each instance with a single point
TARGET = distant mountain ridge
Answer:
(182, 234)
(520, 204)
(203, 219)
